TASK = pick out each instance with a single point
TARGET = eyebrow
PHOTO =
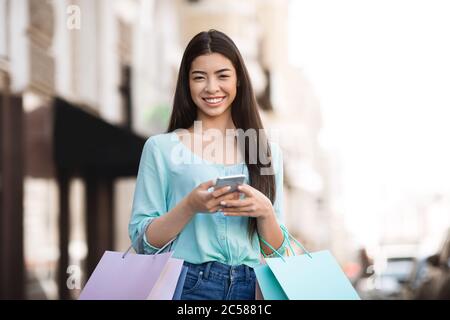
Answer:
(218, 71)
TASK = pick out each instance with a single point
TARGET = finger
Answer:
(246, 189)
(215, 202)
(250, 208)
(220, 191)
(216, 209)
(228, 196)
(240, 214)
(236, 203)
(207, 184)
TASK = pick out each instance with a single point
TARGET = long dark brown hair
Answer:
(244, 110)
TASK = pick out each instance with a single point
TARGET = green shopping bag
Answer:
(310, 276)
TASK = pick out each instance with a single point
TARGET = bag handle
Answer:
(288, 236)
(140, 238)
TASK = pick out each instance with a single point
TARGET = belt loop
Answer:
(247, 273)
(208, 266)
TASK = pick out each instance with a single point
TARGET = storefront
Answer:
(60, 142)
(11, 193)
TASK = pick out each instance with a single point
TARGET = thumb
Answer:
(208, 184)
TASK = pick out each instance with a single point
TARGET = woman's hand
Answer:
(201, 200)
(255, 204)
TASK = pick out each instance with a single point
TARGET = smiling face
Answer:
(212, 83)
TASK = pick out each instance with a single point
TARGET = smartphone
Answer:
(232, 181)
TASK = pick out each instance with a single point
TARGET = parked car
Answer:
(416, 279)
(387, 284)
(433, 282)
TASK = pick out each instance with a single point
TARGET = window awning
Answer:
(65, 136)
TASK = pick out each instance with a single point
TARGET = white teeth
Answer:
(216, 100)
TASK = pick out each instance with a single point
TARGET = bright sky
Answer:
(381, 71)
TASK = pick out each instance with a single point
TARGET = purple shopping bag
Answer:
(165, 286)
(133, 277)
(123, 276)
(180, 284)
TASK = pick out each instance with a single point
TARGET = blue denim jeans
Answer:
(218, 281)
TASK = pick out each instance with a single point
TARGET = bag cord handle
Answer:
(140, 238)
(287, 236)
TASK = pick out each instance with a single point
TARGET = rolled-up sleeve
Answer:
(278, 204)
(150, 194)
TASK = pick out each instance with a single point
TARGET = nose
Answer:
(212, 86)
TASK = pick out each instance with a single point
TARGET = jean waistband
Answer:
(222, 269)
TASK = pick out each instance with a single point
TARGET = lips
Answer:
(214, 101)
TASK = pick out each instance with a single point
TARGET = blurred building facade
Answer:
(117, 61)
(67, 70)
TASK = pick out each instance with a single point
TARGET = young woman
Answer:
(219, 235)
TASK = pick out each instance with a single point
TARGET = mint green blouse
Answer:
(168, 172)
